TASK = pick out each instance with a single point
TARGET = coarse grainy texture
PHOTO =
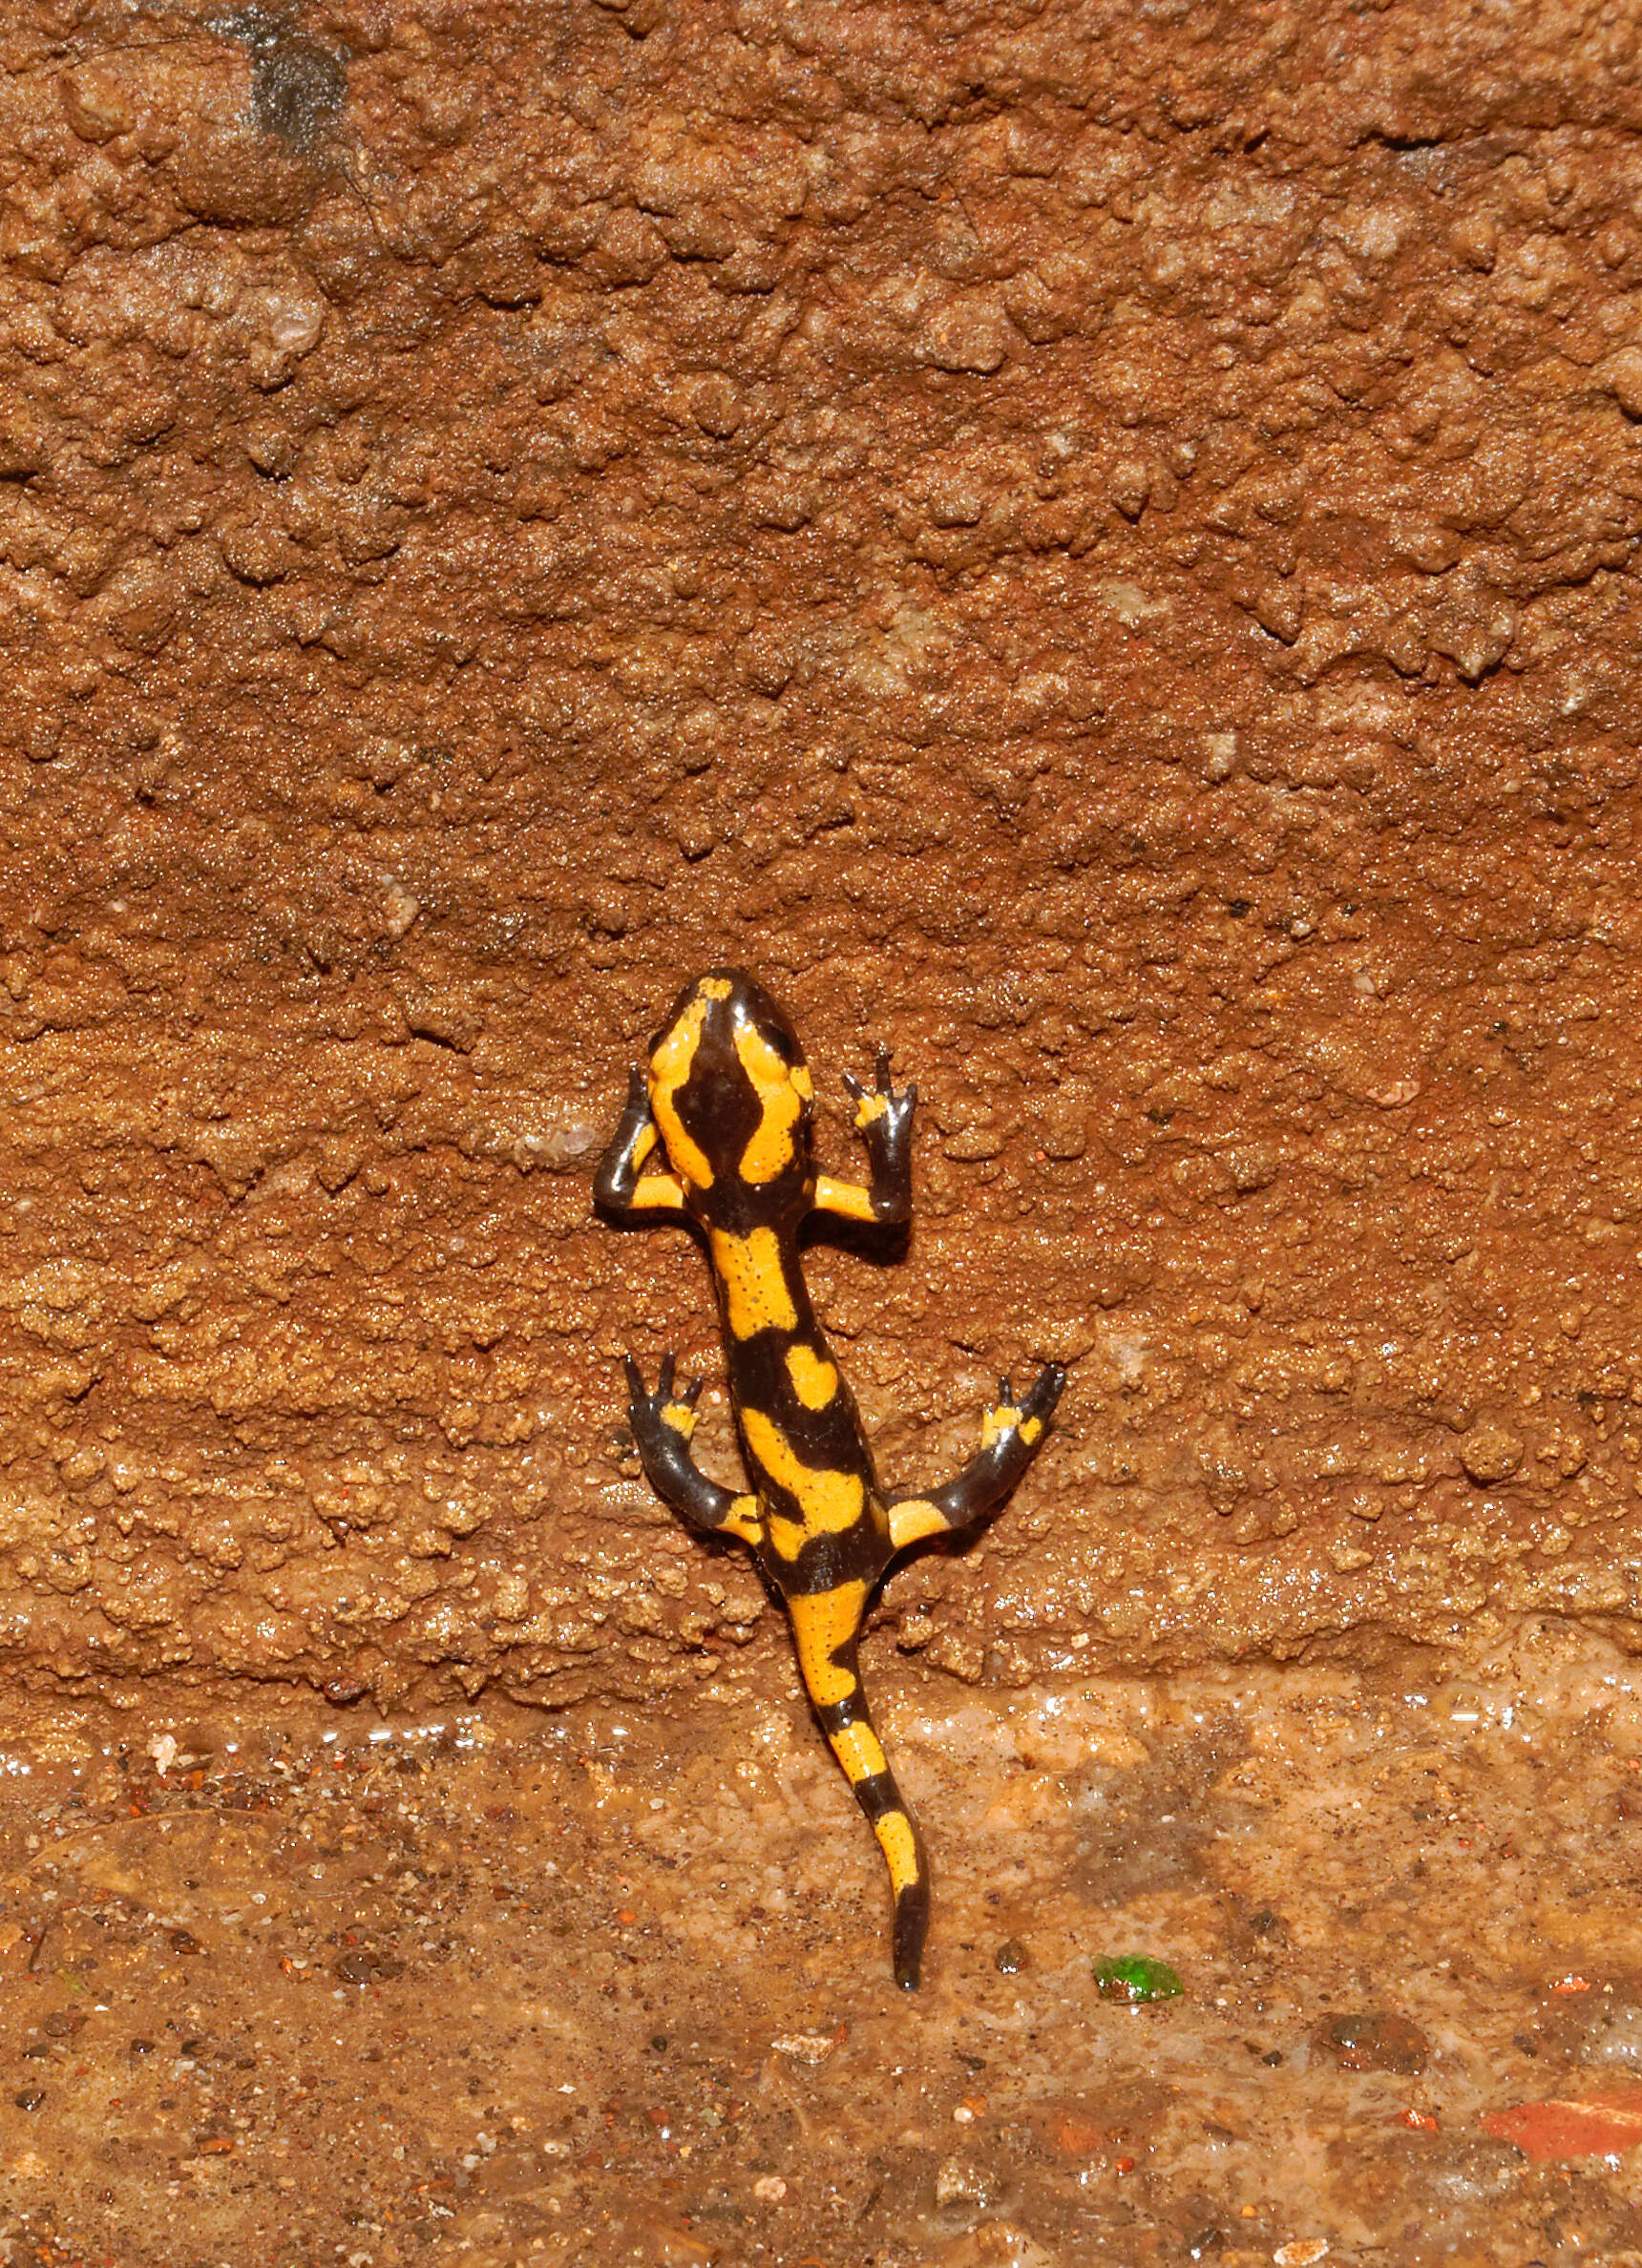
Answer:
(1092, 544)
(581, 1992)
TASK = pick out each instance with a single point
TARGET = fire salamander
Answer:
(723, 1117)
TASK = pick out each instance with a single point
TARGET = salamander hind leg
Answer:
(662, 1423)
(1011, 1434)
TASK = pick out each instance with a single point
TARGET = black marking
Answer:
(298, 87)
(911, 1927)
(878, 1796)
(840, 1716)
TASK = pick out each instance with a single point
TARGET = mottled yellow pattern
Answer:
(830, 1501)
(670, 1062)
(869, 1108)
(822, 1622)
(681, 1417)
(815, 1381)
(770, 1151)
(755, 1292)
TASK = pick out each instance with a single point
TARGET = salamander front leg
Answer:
(617, 1184)
(662, 1423)
(1011, 1434)
(884, 1121)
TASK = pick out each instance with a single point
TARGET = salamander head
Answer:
(733, 1100)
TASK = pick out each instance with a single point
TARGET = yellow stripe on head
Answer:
(671, 1062)
(831, 1502)
(822, 1622)
(756, 1297)
(769, 1153)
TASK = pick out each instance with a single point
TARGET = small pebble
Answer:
(1010, 1958)
(1302, 2252)
(29, 2098)
(957, 2182)
(769, 2188)
(810, 2047)
(1372, 2043)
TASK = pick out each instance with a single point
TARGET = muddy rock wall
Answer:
(1095, 544)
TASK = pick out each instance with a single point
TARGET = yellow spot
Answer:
(914, 1520)
(714, 988)
(998, 1422)
(1032, 1432)
(769, 1153)
(856, 1747)
(896, 1840)
(787, 1537)
(655, 1191)
(830, 1501)
(822, 1622)
(815, 1381)
(867, 1109)
(848, 1199)
(681, 1417)
(802, 1081)
(755, 1293)
(670, 1062)
(742, 1520)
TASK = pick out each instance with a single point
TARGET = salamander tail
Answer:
(865, 1766)
(840, 1706)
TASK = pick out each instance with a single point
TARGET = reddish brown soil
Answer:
(1092, 544)
(477, 1993)
(1095, 545)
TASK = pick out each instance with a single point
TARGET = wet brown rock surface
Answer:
(1094, 545)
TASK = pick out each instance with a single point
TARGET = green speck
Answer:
(1137, 1978)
